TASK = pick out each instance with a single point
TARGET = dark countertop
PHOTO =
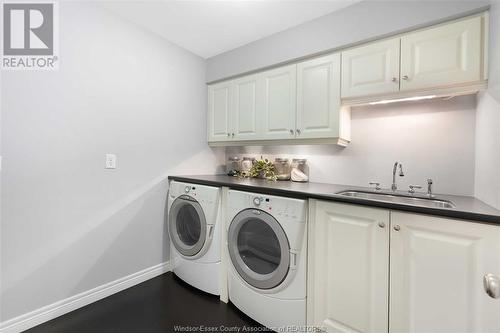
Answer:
(467, 208)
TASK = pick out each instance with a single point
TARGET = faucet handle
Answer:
(413, 187)
(377, 185)
(429, 187)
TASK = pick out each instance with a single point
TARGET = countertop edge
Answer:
(456, 214)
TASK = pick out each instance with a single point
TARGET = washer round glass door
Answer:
(259, 248)
(187, 225)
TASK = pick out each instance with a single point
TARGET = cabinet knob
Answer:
(291, 132)
(394, 79)
(298, 131)
(381, 224)
(491, 285)
(228, 135)
(405, 77)
(232, 134)
(397, 227)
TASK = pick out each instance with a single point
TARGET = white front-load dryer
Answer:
(195, 232)
(267, 243)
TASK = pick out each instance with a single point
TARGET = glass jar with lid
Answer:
(282, 168)
(300, 170)
(233, 165)
(247, 164)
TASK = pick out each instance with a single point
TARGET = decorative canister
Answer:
(247, 164)
(233, 165)
(282, 167)
(300, 170)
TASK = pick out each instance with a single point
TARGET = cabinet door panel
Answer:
(437, 269)
(348, 268)
(442, 56)
(219, 109)
(244, 117)
(279, 105)
(371, 69)
(318, 97)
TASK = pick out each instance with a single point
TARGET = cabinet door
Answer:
(244, 117)
(318, 97)
(348, 268)
(279, 106)
(437, 270)
(442, 56)
(371, 69)
(219, 108)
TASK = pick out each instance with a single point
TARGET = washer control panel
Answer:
(275, 206)
(257, 201)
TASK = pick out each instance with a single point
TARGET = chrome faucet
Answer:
(394, 186)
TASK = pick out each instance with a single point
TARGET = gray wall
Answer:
(488, 123)
(67, 224)
(360, 22)
(432, 140)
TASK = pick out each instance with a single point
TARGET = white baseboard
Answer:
(54, 310)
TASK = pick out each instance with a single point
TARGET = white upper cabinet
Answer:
(445, 60)
(371, 69)
(447, 55)
(437, 271)
(243, 118)
(219, 105)
(277, 113)
(318, 97)
(348, 268)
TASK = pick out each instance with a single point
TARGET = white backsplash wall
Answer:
(433, 139)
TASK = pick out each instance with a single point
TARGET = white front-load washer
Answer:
(195, 233)
(267, 244)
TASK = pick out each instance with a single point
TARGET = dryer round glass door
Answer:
(259, 248)
(187, 225)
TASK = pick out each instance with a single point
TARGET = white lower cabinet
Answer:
(374, 270)
(437, 271)
(348, 268)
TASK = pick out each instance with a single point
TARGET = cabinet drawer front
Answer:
(371, 70)
(442, 56)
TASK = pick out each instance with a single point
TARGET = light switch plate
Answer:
(110, 161)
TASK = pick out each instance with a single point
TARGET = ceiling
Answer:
(208, 28)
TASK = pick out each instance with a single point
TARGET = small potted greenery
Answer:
(264, 169)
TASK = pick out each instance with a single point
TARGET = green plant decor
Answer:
(263, 168)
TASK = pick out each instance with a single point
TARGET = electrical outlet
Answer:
(110, 161)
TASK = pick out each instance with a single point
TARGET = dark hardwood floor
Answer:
(158, 305)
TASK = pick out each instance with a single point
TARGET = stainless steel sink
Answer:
(399, 198)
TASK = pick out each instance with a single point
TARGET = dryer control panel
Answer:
(280, 207)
